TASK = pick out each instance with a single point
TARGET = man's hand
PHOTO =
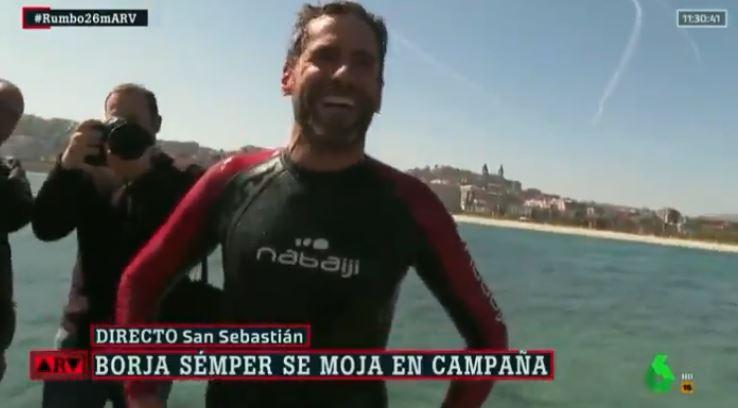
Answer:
(86, 141)
(145, 402)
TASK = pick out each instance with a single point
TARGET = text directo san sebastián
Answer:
(199, 336)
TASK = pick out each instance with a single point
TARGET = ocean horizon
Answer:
(605, 307)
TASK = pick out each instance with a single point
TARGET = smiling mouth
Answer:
(337, 102)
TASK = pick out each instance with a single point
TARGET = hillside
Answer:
(36, 141)
(722, 217)
(36, 138)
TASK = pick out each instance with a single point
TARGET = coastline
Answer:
(620, 236)
(45, 167)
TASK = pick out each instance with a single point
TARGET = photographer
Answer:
(115, 188)
(15, 211)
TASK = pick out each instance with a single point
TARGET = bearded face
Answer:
(333, 116)
(335, 83)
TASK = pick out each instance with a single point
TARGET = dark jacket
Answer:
(16, 202)
(110, 229)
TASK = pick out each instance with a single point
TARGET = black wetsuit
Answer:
(328, 249)
(16, 203)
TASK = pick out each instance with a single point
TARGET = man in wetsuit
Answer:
(115, 192)
(319, 232)
(16, 202)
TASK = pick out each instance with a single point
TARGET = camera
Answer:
(123, 138)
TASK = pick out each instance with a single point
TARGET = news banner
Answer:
(269, 352)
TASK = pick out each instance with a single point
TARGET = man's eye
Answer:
(326, 55)
(364, 62)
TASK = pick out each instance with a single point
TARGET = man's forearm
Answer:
(16, 204)
(55, 208)
(7, 307)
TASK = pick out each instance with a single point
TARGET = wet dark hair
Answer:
(309, 12)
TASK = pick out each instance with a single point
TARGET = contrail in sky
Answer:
(438, 64)
(685, 33)
(635, 35)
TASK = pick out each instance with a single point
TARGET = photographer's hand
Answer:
(83, 143)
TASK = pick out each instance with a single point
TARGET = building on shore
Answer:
(475, 199)
(672, 220)
(514, 208)
(472, 199)
(670, 216)
(450, 194)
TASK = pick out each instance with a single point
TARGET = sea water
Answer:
(605, 307)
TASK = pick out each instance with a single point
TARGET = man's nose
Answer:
(343, 73)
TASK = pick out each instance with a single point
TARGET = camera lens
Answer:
(128, 140)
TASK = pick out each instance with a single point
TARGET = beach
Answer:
(621, 236)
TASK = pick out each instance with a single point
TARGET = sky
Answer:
(601, 100)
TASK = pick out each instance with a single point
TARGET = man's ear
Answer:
(288, 80)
